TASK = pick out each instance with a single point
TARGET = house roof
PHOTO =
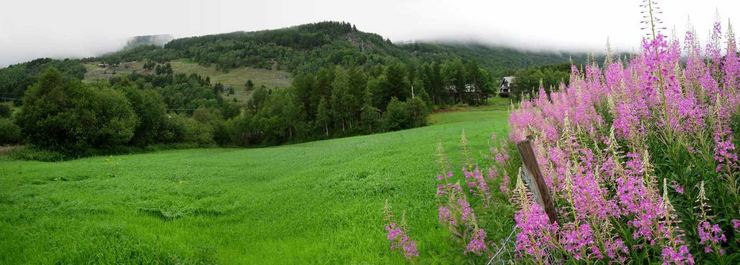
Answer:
(509, 79)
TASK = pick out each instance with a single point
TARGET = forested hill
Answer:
(301, 48)
(309, 47)
(314, 81)
(499, 61)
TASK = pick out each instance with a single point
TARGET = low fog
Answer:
(31, 29)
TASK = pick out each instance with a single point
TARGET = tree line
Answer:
(61, 113)
(527, 81)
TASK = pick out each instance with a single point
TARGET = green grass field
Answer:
(318, 202)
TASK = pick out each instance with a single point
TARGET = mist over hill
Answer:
(156, 40)
(305, 47)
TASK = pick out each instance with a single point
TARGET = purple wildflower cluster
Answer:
(603, 143)
(477, 242)
(710, 235)
(457, 204)
(592, 139)
(536, 234)
(456, 213)
(477, 185)
(398, 236)
(400, 240)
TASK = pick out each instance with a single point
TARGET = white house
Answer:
(505, 87)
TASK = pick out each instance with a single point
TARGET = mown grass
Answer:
(318, 202)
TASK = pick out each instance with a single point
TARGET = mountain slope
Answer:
(298, 49)
(306, 48)
(499, 60)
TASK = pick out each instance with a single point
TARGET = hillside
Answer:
(310, 46)
(317, 202)
(272, 57)
(234, 78)
(333, 81)
(500, 61)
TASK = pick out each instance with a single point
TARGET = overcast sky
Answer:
(77, 28)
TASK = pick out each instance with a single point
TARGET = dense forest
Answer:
(550, 77)
(346, 82)
(16, 78)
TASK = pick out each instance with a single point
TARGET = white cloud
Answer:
(78, 28)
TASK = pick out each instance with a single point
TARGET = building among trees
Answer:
(505, 86)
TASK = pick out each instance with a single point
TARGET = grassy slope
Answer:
(95, 73)
(317, 202)
(235, 78)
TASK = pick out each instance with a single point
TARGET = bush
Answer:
(396, 116)
(10, 133)
(418, 111)
(151, 111)
(182, 129)
(213, 120)
(30, 153)
(64, 115)
(114, 119)
(403, 115)
(5, 110)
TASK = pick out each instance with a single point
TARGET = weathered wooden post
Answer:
(534, 178)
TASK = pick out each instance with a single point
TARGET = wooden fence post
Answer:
(534, 178)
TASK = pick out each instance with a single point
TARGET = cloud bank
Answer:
(79, 28)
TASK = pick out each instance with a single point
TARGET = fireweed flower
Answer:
(492, 173)
(536, 233)
(409, 248)
(393, 231)
(674, 250)
(466, 213)
(397, 236)
(649, 100)
(504, 186)
(469, 180)
(724, 150)
(441, 190)
(731, 63)
(710, 235)
(576, 239)
(498, 152)
(400, 240)
(680, 256)
(616, 250)
(445, 216)
(677, 187)
(482, 187)
(477, 244)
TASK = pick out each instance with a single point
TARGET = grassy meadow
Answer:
(313, 203)
(235, 78)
